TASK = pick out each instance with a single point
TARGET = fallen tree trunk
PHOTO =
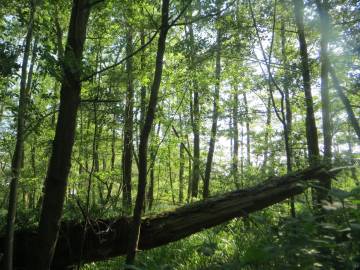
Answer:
(109, 238)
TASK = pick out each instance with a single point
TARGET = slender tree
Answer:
(144, 137)
(19, 146)
(345, 100)
(323, 10)
(215, 115)
(128, 127)
(287, 122)
(235, 133)
(195, 111)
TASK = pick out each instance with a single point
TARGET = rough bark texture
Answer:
(109, 238)
(60, 160)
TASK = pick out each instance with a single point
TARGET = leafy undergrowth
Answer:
(267, 240)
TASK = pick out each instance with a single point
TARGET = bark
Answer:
(235, 133)
(153, 153)
(113, 144)
(190, 162)
(311, 130)
(196, 131)
(247, 123)
(181, 173)
(128, 127)
(267, 131)
(143, 87)
(195, 112)
(144, 137)
(170, 175)
(323, 9)
(181, 164)
(288, 112)
(215, 116)
(19, 145)
(150, 195)
(340, 91)
(109, 238)
(60, 160)
(242, 149)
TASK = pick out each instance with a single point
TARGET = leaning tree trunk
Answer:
(144, 136)
(351, 115)
(19, 146)
(110, 237)
(215, 116)
(60, 160)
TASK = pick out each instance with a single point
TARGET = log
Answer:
(107, 238)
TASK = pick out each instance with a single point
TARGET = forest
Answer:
(182, 134)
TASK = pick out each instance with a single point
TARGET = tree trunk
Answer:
(215, 116)
(247, 122)
(181, 173)
(19, 145)
(235, 133)
(181, 164)
(195, 111)
(189, 186)
(150, 194)
(144, 137)
(143, 87)
(60, 160)
(311, 130)
(110, 237)
(170, 175)
(323, 9)
(288, 112)
(351, 115)
(268, 130)
(128, 127)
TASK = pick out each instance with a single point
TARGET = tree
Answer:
(60, 160)
(20, 137)
(215, 115)
(145, 132)
(311, 130)
(128, 126)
